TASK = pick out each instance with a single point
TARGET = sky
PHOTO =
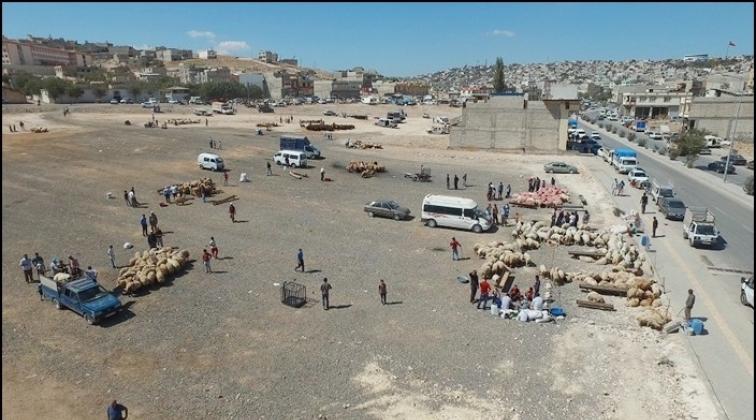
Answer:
(402, 39)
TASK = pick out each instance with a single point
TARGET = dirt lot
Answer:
(223, 346)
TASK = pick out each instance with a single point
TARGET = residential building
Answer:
(167, 55)
(122, 51)
(478, 93)
(324, 89)
(412, 89)
(268, 57)
(718, 114)
(510, 122)
(208, 55)
(148, 54)
(20, 53)
(289, 61)
(177, 92)
(652, 101)
(215, 75)
(251, 79)
(189, 73)
(381, 87)
(563, 91)
(696, 57)
(148, 77)
(286, 84)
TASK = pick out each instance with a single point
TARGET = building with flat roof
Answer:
(268, 57)
(718, 114)
(20, 53)
(208, 55)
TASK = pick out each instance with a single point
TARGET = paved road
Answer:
(725, 355)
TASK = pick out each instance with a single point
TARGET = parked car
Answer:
(637, 175)
(671, 207)
(736, 159)
(705, 151)
(595, 135)
(746, 291)
(654, 135)
(749, 165)
(329, 112)
(127, 101)
(114, 102)
(559, 168)
(613, 118)
(386, 208)
(719, 166)
(603, 153)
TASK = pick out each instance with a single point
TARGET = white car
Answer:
(613, 118)
(654, 135)
(173, 101)
(595, 135)
(746, 291)
(603, 153)
(638, 175)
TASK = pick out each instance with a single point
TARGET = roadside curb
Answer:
(743, 198)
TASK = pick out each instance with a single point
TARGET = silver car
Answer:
(559, 168)
(671, 207)
(387, 208)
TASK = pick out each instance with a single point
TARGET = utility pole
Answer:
(734, 132)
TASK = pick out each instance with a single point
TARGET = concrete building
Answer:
(475, 93)
(383, 87)
(208, 55)
(215, 75)
(509, 122)
(252, 79)
(412, 89)
(289, 61)
(324, 88)
(189, 74)
(19, 53)
(718, 115)
(563, 91)
(122, 51)
(176, 92)
(167, 55)
(268, 57)
(346, 89)
(652, 101)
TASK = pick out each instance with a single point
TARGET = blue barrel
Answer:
(644, 241)
(697, 326)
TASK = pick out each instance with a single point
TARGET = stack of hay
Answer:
(545, 197)
(151, 267)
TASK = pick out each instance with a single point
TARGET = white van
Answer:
(210, 161)
(454, 212)
(297, 158)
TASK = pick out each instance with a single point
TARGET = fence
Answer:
(293, 294)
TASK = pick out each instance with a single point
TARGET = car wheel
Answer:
(551, 170)
(743, 299)
(477, 229)
(431, 223)
(57, 304)
(371, 214)
(89, 318)
(397, 217)
(571, 172)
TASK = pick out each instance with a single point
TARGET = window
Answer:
(442, 210)
(667, 99)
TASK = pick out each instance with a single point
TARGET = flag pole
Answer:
(727, 51)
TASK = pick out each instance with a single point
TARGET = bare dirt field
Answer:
(222, 346)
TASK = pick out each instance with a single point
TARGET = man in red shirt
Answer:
(485, 289)
(206, 261)
(455, 245)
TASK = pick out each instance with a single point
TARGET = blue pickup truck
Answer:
(83, 296)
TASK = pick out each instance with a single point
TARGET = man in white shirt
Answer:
(26, 265)
(537, 304)
(132, 202)
(91, 274)
(322, 173)
(111, 256)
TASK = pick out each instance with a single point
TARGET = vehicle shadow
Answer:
(124, 315)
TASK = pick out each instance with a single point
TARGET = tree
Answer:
(255, 92)
(75, 92)
(26, 82)
(56, 88)
(498, 81)
(223, 91)
(690, 144)
(99, 91)
(135, 88)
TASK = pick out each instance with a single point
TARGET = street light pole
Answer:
(734, 133)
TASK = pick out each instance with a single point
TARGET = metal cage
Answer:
(293, 294)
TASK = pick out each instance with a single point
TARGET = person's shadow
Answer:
(396, 302)
(340, 306)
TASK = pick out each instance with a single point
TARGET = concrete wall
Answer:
(322, 88)
(505, 123)
(90, 97)
(14, 96)
(718, 115)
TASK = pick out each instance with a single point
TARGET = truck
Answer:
(624, 159)
(699, 228)
(291, 142)
(638, 126)
(81, 295)
(397, 116)
(225, 108)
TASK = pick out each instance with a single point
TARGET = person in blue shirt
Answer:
(117, 411)
(300, 260)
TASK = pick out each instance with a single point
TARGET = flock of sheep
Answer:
(151, 268)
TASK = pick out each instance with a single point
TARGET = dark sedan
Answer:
(671, 207)
(719, 166)
(386, 208)
(736, 159)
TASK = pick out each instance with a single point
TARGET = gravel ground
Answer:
(223, 346)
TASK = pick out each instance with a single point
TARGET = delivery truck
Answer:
(300, 143)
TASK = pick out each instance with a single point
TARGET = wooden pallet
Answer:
(594, 254)
(595, 305)
(603, 290)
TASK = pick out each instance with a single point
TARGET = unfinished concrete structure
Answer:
(718, 115)
(512, 123)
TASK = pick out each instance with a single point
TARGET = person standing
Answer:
(509, 191)
(382, 291)
(553, 218)
(300, 260)
(325, 290)
(464, 180)
(73, 266)
(131, 198)
(91, 273)
(553, 182)
(153, 221)
(225, 179)
(143, 222)
(174, 191)
(501, 189)
(213, 247)
(126, 198)
(615, 186)
(537, 285)
(455, 245)
(587, 218)
(219, 146)
(689, 302)
(495, 214)
(456, 182)
(473, 285)
(447, 182)
(654, 225)
(232, 212)
(117, 411)
(206, 261)
(158, 238)
(268, 172)
(134, 201)
(39, 264)
(485, 289)
(111, 256)
(322, 173)
(202, 193)
(643, 203)
(211, 143)
(26, 266)
(167, 195)
(621, 188)
(505, 210)
(152, 240)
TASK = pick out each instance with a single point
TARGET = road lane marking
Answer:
(718, 318)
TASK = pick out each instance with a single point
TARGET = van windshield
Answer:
(707, 230)
(666, 193)
(219, 160)
(629, 161)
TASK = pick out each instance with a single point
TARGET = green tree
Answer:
(99, 91)
(135, 89)
(222, 91)
(690, 144)
(498, 81)
(56, 88)
(26, 82)
(75, 92)
(256, 92)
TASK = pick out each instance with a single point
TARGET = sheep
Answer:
(595, 297)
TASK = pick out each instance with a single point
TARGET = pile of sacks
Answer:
(545, 197)
(328, 127)
(152, 267)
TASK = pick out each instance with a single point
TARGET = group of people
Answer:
(154, 235)
(514, 299)
(618, 188)
(498, 216)
(495, 193)
(56, 266)
(130, 198)
(215, 144)
(536, 183)
(572, 218)
(456, 181)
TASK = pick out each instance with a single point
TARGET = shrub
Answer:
(614, 130)
(622, 134)
(673, 154)
(631, 136)
(642, 142)
(748, 185)
(600, 125)
(662, 151)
